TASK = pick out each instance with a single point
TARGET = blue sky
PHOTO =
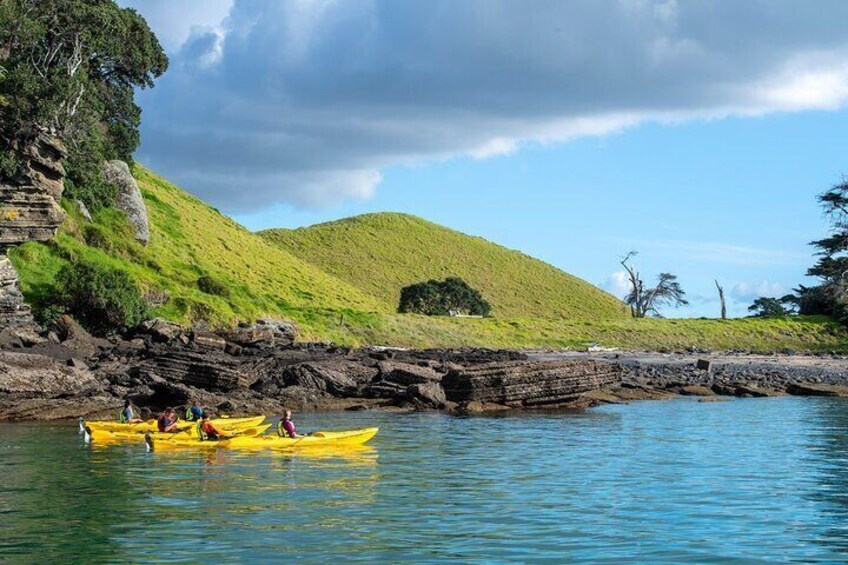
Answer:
(666, 127)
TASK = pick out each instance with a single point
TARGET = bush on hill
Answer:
(212, 286)
(440, 298)
(103, 300)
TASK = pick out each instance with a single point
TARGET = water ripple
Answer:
(753, 481)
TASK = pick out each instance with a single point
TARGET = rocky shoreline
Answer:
(64, 373)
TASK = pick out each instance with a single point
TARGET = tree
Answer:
(721, 299)
(70, 70)
(644, 301)
(440, 298)
(830, 297)
(766, 307)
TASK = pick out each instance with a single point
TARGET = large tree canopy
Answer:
(442, 298)
(70, 68)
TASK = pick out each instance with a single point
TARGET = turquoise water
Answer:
(747, 481)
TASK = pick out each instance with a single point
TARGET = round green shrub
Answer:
(104, 300)
(212, 286)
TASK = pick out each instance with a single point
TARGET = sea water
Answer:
(742, 481)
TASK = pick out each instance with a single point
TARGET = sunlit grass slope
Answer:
(190, 239)
(382, 253)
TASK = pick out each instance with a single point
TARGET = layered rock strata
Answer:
(529, 384)
(29, 211)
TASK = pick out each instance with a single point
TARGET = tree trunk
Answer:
(721, 298)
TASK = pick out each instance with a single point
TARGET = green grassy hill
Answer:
(381, 253)
(189, 239)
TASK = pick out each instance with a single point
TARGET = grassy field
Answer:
(189, 239)
(801, 334)
(381, 253)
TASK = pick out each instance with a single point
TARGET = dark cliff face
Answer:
(29, 211)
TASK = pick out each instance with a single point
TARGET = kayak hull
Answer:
(336, 440)
(186, 435)
(223, 424)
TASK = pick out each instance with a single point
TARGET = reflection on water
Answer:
(744, 482)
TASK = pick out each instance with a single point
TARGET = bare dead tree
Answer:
(644, 301)
(721, 298)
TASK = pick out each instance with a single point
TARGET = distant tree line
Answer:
(441, 298)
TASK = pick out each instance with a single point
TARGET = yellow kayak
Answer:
(223, 424)
(345, 439)
(186, 435)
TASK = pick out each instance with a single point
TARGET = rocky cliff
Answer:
(29, 211)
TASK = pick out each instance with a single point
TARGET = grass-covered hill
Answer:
(382, 253)
(190, 240)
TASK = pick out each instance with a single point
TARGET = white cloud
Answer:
(749, 291)
(272, 94)
(173, 20)
(617, 284)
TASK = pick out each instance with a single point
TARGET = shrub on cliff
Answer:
(102, 299)
(71, 69)
(440, 298)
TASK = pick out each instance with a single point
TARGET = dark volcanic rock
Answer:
(407, 374)
(160, 330)
(208, 341)
(813, 389)
(36, 387)
(530, 384)
(429, 394)
(322, 377)
(206, 370)
(264, 333)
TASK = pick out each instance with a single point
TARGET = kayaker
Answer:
(167, 421)
(206, 431)
(127, 416)
(285, 427)
(194, 412)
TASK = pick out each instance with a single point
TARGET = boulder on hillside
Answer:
(129, 197)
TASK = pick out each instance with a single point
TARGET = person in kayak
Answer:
(167, 421)
(127, 416)
(285, 427)
(206, 431)
(194, 412)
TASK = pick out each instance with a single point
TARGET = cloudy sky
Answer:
(697, 132)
